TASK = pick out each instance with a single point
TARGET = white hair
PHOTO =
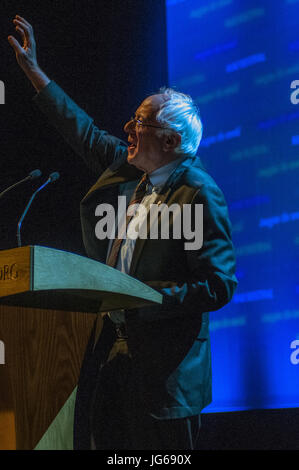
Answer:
(179, 113)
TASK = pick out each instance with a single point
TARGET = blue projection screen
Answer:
(238, 61)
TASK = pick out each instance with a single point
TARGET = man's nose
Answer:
(129, 126)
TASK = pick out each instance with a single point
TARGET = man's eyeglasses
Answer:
(139, 123)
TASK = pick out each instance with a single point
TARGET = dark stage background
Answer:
(108, 55)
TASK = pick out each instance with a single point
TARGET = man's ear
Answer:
(171, 141)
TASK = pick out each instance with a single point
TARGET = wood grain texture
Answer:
(44, 350)
(7, 407)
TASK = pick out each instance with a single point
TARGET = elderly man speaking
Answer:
(146, 374)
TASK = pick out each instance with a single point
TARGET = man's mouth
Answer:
(131, 145)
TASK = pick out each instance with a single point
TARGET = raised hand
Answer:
(26, 54)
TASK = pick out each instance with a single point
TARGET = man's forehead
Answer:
(152, 103)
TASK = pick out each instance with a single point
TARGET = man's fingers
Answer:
(15, 45)
(26, 33)
(20, 18)
(22, 34)
(24, 27)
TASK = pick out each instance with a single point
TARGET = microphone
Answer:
(52, 177)
(33, 175)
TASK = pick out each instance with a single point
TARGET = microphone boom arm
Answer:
(26, 210)
(34, 174)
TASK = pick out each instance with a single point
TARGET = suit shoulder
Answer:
(196, 176)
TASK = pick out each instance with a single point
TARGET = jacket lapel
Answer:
(162, 198)
(117, 173)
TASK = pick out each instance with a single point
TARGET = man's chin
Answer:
(136, 161)
(132, 159)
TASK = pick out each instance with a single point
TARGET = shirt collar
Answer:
(159, 176)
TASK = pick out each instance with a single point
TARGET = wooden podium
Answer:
(48, 302)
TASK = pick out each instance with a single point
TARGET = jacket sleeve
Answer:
(211, 267)
(97, 148)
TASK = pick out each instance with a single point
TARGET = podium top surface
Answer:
(42, 277)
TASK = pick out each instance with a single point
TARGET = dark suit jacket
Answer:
(169, 343)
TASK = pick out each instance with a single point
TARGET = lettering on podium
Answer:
(9, 272)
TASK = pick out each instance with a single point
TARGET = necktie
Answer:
(137, 197)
